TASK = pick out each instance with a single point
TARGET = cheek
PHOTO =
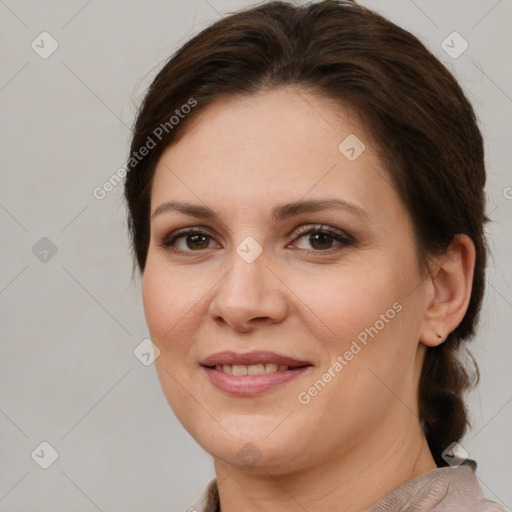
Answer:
(171, 307)
(170, 303)
(370, 321)
(348, 302)
(169, 297)
(157, 295)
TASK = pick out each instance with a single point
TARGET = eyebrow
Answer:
(278, 213)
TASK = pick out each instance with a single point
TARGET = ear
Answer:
(451, 282)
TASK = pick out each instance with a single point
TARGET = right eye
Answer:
(191, 239)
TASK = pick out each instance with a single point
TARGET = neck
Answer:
(352, 482)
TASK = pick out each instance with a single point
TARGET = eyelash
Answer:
(342, 238)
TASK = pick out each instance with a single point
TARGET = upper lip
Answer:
(248, 358)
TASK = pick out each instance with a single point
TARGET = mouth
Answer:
(252, 373)
(251, 369)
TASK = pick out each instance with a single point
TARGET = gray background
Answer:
(71, 320)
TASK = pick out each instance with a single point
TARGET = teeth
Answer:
(239, 369)
(256, 369)
(252, 369)
(271, 368)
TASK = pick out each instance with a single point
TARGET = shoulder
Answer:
(207, 501)
(446, 489)
(449, 489)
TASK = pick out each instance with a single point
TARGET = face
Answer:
(282, 284)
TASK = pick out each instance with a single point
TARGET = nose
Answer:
(249, 295)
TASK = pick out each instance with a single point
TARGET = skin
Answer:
(360, 436)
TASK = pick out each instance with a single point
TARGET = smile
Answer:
(252, 373)
(252, 369)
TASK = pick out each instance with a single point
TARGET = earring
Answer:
(439, 337)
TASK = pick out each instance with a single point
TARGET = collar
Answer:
(441, 490)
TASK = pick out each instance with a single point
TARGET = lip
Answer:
(255, 357)
(252, 385)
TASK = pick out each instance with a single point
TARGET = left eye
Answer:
(322, 239)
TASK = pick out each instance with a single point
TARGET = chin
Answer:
(252, 443)
(255, 456)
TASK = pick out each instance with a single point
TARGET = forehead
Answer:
(281, 119)
(279, 145)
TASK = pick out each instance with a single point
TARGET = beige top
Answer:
(448, 489)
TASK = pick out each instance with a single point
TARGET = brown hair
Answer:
(422, 124)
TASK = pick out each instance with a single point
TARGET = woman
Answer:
(306, 205)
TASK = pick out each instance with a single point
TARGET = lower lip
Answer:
(252, 385)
